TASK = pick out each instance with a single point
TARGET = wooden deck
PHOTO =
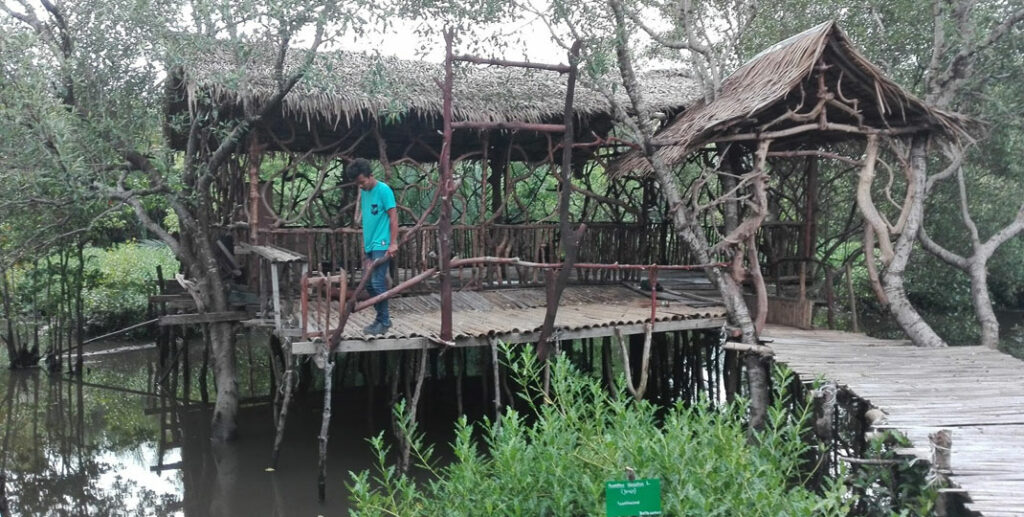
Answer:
(976, 393)
(515, 316)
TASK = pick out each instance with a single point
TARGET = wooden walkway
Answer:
(976, 393)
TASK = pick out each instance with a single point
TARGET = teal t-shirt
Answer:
(376, 224)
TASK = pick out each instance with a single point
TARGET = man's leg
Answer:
(379, 284)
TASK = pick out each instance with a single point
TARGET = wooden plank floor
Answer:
(515, 316)
(975, 392)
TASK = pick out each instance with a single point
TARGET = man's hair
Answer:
(358, 167)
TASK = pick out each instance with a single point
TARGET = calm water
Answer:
(114, 446)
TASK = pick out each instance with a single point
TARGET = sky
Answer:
(402, 42)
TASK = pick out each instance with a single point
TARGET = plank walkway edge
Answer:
(975, 392)
(415, 343)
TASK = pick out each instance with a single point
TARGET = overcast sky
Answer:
(402, 41)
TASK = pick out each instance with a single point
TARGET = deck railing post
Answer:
(304, 303)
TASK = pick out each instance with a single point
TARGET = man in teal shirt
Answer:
(380, 234)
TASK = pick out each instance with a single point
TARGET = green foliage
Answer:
(901, 488)
(118, 282)
(554, 458)
(125, 277)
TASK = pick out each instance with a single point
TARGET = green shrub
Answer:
(116, 286)
(555, 458)
(121, 278)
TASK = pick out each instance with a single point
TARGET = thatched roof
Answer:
(346, 89)
(770, 83)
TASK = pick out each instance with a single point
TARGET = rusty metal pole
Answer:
(444, 234)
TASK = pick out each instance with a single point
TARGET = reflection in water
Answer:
(117, 444)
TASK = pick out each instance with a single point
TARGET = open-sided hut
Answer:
(809, 99)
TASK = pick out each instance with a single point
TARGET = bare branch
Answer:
(867, 206)
(942, 253)
(1008, 232)
(946, 85)
(965, 212)
(662, 40)
(226, 148)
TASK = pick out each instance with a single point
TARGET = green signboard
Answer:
(629, 498)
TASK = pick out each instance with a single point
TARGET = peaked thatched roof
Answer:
(770, 83)
(351, 88)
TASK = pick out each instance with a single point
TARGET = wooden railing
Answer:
(332, 250)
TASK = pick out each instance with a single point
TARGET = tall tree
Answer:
(105, 62)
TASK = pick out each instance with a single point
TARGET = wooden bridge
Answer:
(975, 393)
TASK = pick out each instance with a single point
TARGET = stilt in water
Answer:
(411, 407)
(497, 380)
(460, 357)
(325, 424)
(287, 386)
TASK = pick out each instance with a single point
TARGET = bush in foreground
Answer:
(554, 458)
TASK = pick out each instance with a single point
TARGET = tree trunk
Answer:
(982, 303)
(5, 297)
(892, 279)
(739, 315)
(688, 227)
(225, 410)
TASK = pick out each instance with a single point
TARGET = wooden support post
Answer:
(413, 405)
(852, 296)
(444, 233)
(830, 296)
(287, 385)
(325, 424)
(497, 379)
(275, 287)
(811, 214)
(255, 157)
(569, 238)
(824, 418)
(942, 453)
(460, 359)
(304, 303)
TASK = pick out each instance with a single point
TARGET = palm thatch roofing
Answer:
(345, 91)
(781, 78)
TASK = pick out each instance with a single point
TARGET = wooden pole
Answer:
(287, 385)
(254, 187)
(569, 238)
(444, 233)
(325, 424)
(853, 297)
(497, 379)
(413, 405)
(942, 454)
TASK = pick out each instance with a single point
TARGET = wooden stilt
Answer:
(411, 408)
(460, 357)
(853, 297)
(325, 424)
(287, 387)
(497, 379)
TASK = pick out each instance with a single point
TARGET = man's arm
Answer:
(358, 216)
(393, 216)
